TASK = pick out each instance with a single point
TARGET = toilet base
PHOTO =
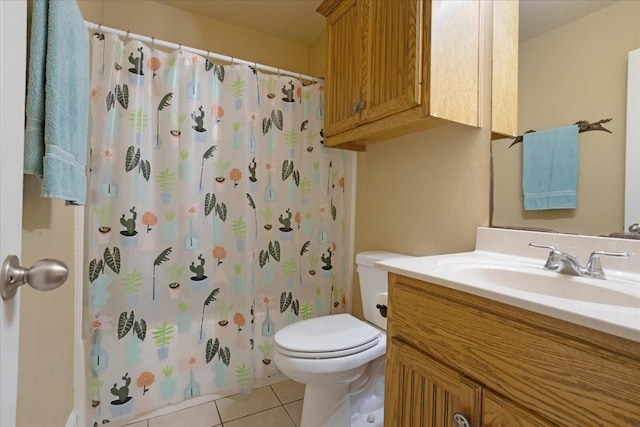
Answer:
(326, 406)
(372, 419)
(367, 396)
(356, 404)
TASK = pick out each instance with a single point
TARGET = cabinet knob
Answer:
(361, 104)
(460, 420)
(354, 108)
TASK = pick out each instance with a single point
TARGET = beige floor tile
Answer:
(205, 415)
(288, 391)
(241, 405)
(276, 417)
(295, 411)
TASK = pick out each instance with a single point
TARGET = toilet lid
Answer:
(326, 336)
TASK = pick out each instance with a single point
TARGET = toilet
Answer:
(339, 358)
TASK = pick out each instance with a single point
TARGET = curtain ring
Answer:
(233, 60)
(99, 28)
(279, 73)
(153, 44)
(126, 40)
(207, 55)
(180, 48)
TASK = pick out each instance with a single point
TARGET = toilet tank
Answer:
(372, 280)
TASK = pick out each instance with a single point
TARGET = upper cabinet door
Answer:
(504, 70)
(344, 62)
(393, 63)
(454, 87)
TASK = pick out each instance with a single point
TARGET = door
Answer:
(498, 412)
(344, 68)
(632, 180)
(420, 391)
(13, 30)
(393, 61)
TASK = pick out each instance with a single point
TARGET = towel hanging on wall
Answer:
(57, 100)
(550, 169)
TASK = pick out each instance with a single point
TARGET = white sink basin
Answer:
(610, 305)
(521, 276)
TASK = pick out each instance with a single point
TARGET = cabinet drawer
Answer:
(562, 378)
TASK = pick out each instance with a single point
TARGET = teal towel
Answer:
(550, 169)
(66, 98)
(34, 109)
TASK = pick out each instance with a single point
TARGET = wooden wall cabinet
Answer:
(397, 67)
(497, 365)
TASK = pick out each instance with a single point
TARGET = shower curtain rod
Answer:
(205, 53)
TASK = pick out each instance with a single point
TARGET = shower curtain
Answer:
(215, 217)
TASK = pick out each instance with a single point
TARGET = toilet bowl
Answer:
(340, 358)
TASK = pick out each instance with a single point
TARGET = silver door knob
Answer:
(634, 228)
(44, 275)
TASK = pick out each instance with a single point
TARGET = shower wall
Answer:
(47, 319)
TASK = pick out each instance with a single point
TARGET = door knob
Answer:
(634, 228)
(44, 275)
(460, 420)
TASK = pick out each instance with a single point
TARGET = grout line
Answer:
(218, 411)
(290, 417)
(264, 410)
(276, 394)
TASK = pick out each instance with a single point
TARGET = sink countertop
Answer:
(511, 247)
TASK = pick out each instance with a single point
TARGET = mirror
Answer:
(577, 71)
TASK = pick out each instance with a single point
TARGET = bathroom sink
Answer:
(504, 268)
(520, 276)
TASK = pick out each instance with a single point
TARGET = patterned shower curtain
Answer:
(215, 217)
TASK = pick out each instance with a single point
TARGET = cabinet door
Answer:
(454, 61)
(393, 62)
(500, 412)
(421, 391)
(344, 62)
(504, 75)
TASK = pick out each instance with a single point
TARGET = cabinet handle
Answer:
(361, 105)
(460, 420)
(354, 108)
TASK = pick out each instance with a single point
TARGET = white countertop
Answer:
(510, 247)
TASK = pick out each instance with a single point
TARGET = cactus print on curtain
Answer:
(215, 217)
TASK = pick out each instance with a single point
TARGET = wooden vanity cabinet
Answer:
(498, 365)
(395, 67)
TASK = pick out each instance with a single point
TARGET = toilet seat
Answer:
(326, 337)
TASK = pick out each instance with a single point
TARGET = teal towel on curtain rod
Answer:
(550, 169)
(57, 100)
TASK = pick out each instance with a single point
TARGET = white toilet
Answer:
(340, 358)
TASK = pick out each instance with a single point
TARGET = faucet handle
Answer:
(594, 267)
(554, 256)
(538, 245)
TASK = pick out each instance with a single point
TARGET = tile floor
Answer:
(275, 405)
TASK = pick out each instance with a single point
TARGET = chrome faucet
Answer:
(565, 263)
